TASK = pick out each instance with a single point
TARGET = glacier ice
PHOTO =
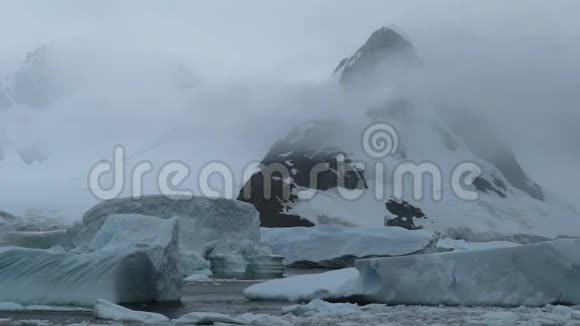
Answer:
(193, 263)
(335, 246)
(245, 259)
(531, 275)
(132, 259)
(204, 222)
(33, 276)
(158, 238)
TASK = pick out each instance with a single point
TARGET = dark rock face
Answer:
(405, 214)
(293, 163)
(483, 185)
(383, 46)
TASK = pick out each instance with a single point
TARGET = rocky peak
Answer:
(383, 46)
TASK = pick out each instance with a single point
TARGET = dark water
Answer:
(216, 296)
(223, 296)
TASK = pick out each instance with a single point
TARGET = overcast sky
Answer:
(515, 60)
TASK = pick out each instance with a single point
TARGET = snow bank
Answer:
(123, 268)
(109, 311)
(531, 275)
(204, 222)
(329, 285)
(35, 239)
(334, 246)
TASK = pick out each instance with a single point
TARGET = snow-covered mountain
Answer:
(356, 186)
(32, 84)
(384, 51)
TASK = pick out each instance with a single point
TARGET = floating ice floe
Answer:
(304, 288)
(204, 222)
(197, 277)
(193, 263)
(531, 275)
(461, 245)
(264, 320)
(212, 318)
(321, 308)
(34, 222)
(245, 259)
(35, 239)
(10, 306)
(207, 318)
(335, 246)
(131, 258)
(109, 311)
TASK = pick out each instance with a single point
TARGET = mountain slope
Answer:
(356, 187)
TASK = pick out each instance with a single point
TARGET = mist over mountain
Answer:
(168, 83)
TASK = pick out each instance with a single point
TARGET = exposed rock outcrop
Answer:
(299, 161)
(405, 214)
